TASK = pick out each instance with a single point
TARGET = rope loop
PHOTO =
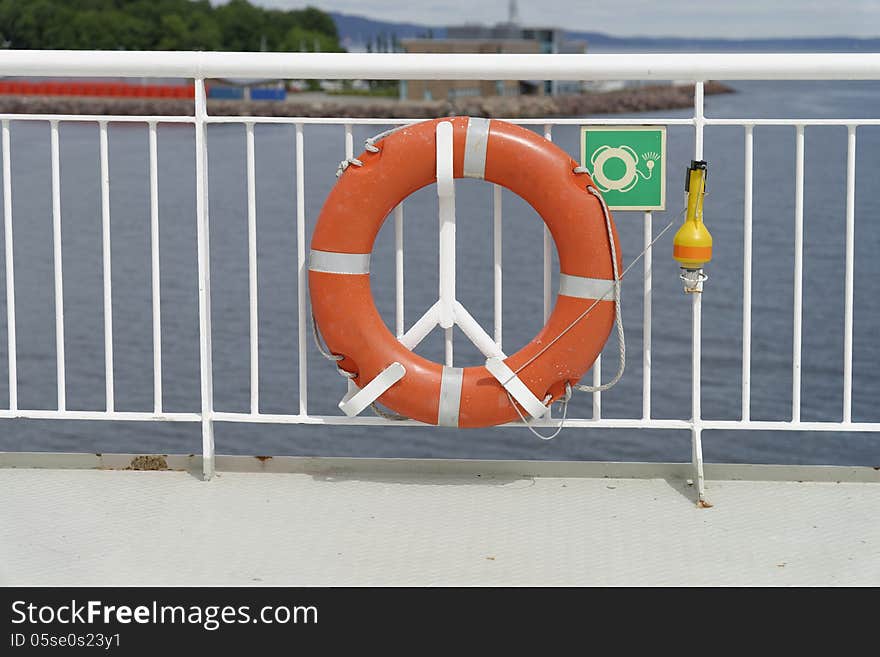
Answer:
(329, 355)
(369, 146)
(370, 142)
(351, 161)
(563, 400)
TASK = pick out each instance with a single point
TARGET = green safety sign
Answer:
(628, 165)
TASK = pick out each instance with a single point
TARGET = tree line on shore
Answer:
(163, 25)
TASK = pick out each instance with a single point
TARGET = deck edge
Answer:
(390, 467)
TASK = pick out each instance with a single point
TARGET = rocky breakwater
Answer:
(635, 99)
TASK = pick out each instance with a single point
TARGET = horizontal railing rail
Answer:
(199, 66)
(411, 66)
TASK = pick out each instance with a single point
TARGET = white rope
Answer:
(616, 286)
(618, 316)
(370, 146)
(394, 417)
(564, 401)
(326, 353)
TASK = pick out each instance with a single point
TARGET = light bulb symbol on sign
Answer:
(629, 160)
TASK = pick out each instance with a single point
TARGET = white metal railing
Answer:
(201, 65)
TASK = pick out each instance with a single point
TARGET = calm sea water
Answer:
(774, 195)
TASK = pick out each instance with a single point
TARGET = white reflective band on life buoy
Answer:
(331, 262)
(476, 142)
(586, 288)
(450, 396)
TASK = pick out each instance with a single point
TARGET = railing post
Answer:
(58, 265)
(446, 196)
(253, 295)
(204, 260)
(848, 285)
(399, 322)
(547, 251)
(351, 388)
(748, 199)
(647, 294)
(498, 258)
(797, 328)
(156, 279)
(107, 267)
(10, 268)
(697, 329)
(301, 274)
(548, 276)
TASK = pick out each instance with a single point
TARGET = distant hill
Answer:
(356, 31)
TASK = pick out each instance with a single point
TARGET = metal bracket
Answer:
(351, 405)
(517, 389)
(693, 280)
(446, 198)
(448, 312)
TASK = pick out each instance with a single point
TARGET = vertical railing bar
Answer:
(252, 270)
(349, 153)
(10, 268)
(798, 276)
(57, 260)
(349, 141)
(448, 346)
(497, 253)
(204, 262)
(548, 296)
(301, 271)
(848, 286)
(647, 294)
(699, 118)
(399, 317)
(696, 411)
(107, 267)
(548, 253)
(696, 323)
(155, 273)
(446, 224)
(747, 275)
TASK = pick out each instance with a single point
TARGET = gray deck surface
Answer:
(371, 525)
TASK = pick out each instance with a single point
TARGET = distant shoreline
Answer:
(635, 99)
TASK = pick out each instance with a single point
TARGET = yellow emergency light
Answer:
(692, 246)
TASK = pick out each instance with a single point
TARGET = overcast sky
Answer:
(714, 18)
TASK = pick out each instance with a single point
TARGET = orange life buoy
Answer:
(502, 153)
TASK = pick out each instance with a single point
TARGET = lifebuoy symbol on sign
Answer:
(630, 161)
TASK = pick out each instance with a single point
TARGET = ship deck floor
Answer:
(85, 520)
